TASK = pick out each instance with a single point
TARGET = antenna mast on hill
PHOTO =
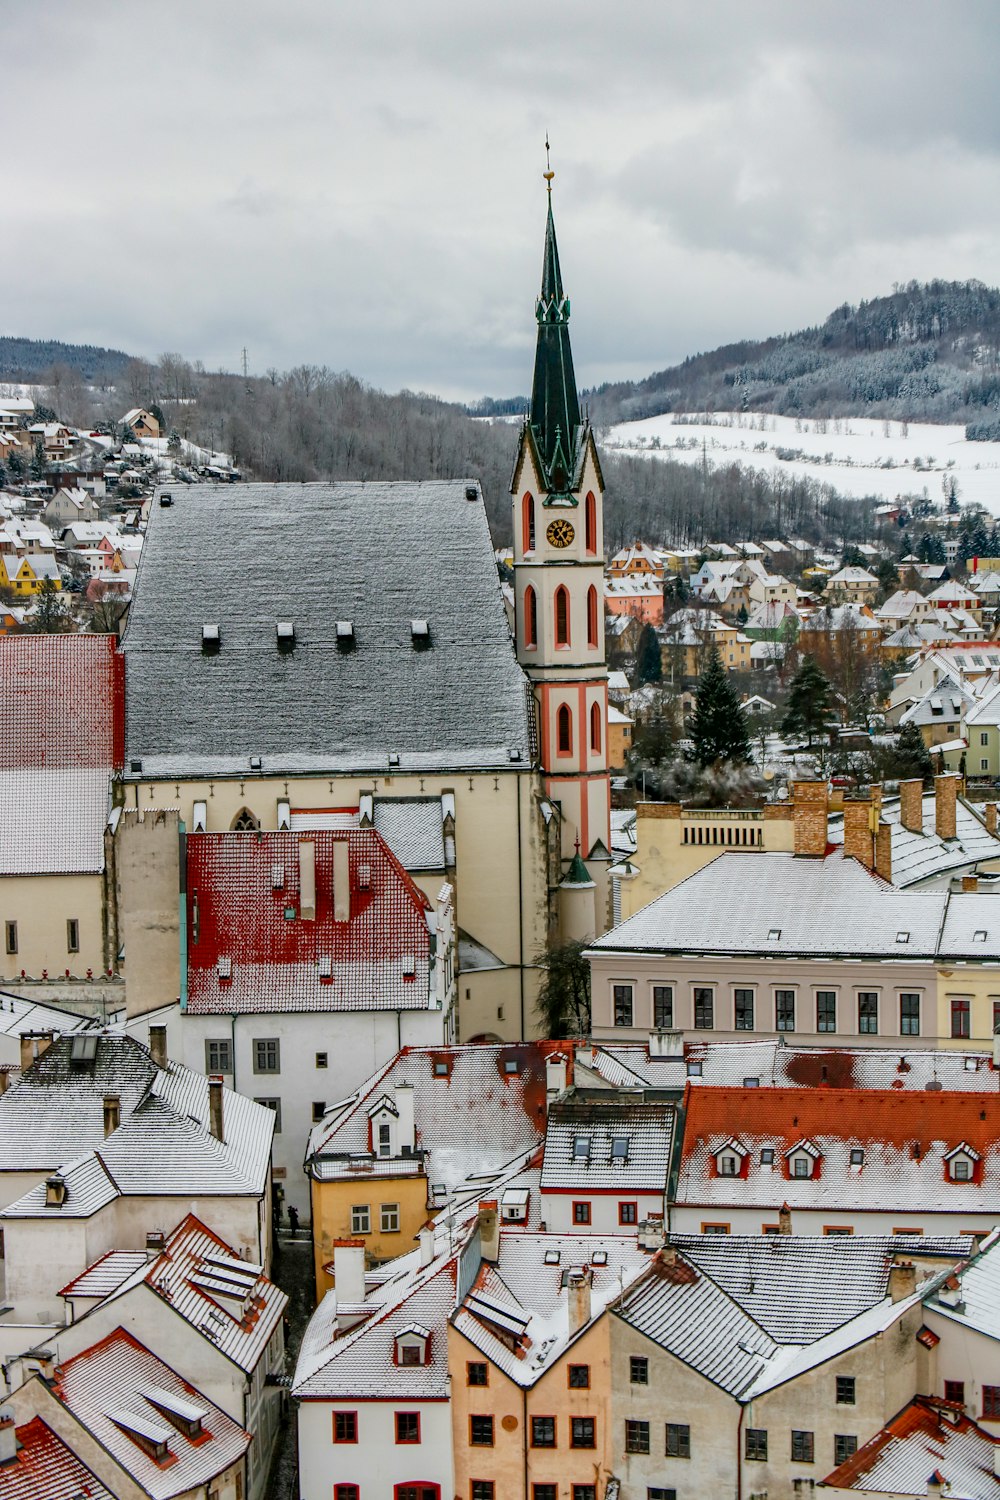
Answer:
(244, 361)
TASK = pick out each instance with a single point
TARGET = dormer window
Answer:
(767, 1156)
(960, 1162)
(857, 1156)
(412, 1346)
(801, 1166)
(581, 1148)
(728, 1165)
(385, 1140)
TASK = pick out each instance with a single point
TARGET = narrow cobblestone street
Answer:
(293, 1271)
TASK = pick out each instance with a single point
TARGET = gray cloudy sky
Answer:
(359, 184)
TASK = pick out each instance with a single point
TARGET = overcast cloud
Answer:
(359, 185)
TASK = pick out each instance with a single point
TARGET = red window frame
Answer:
(628, 1213)
(407, 1415)
(595, 728)
(954, 1390)
(353, 1425)
(530, 618)
(991, 1402)
(346, 1492)
(581, 1212)
(592, 616)
(564, 730)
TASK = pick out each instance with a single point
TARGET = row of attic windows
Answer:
(286, 638)
(804, 1160)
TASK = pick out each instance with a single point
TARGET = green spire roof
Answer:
(555, 406)
(577, 874)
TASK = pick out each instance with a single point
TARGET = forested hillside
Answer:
(30, 360)
(927, 352)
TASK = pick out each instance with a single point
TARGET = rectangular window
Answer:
(743, 1010)
(544, 1492)
(10, 936)
(991, 1402)
(826, 1010)
(342, 1491)
(628, 1213)
(543, 1432)
(584, 1492)
(636, 1436)
(622, 995)
(960, 1018)
(275, 1106)
(477, 1373)
(72, 935)
(581, 1213)
(909, 1015)
(266, 1055)
(321, 1060)
(996, 1016)
(638, 1370)
(481, 1489)
(954, 1390)
(715, 1228)
(582, 1432)
(868, 1012)
(319, 1110)
(481, 1432)
(663, 1007)
(845, 1390)
(845, 1445)
(678, 1440)
(407, 1427)
(578, 1377)
(802, 1447)
(345, 1427)
(784, 1010)
(389, 1218)
(361, 1219)
(756, 1444)
(657, 1492)
(704, 1007)
(984, 738)
(218, 1055)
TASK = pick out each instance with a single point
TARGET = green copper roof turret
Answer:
(555, 406)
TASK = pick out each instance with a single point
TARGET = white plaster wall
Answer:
(376, 1463)
(557, 1211)
(688, 1218)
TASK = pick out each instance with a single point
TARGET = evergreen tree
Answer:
(564, 993)
(38, 460)
(717, 728)
(51, 616)
(649, 661)
(808, 709)
(912, 757)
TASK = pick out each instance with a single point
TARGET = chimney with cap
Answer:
(911, 805)
(809, 809)
(946, 805)
(426, 1238)
(34, 1044)
(784, 1219)
(489, 1231)
(406, 1129)
(158, 1046)
(215, 1107)
(578, 1285)
(349, 1272)
(902, 1280)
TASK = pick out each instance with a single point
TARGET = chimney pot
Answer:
(489, 1230)
(215, 1107)
(902, 1280)
(426, 1238)
(784, 1219)
(158, 1046)
(578, 1300)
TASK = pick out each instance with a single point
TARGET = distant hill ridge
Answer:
(29, 359)
(927, 352)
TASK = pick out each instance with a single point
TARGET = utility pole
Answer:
(244, 361)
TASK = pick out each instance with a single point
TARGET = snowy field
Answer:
(856, 455)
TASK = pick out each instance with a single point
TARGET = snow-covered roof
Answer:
(979, 1304)
(928, 1441)
(917, 857)
(852, 575)
(377, 555)
(52, 821)
(608, 1143)
(46, 1469)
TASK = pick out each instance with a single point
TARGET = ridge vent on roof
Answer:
(285, 630)
(211, 639)
(420, 634)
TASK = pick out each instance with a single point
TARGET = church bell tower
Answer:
(558, 491)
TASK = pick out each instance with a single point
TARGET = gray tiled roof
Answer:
(645, 1133)
(378, 555)
(917, 857)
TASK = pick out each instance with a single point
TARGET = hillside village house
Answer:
(142, 423)
(852, 586)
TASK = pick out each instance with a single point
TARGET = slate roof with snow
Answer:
(249, 948)
(903, 1138)
(927, 1440)
(118, 1382)
(18, 1015)
(378, 555)
(980, 1282)
(917, 857)
(45, 1469)
(106, 1275)
(474, 1119)
(945, 700)
(608, 1143)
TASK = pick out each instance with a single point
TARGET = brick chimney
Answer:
(858, 841)
(911, 805)
(883, 851)
(784, 1219)
(158, 1046)
(990, 816)
(809, 808)
(489, 1230)
(970, 883)
(946, 805)
(902, 1280)
(349, 1272)
(578, 1300)
(215, 1107)
(34, 1044)
(112, 1113)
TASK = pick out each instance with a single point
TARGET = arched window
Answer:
(530, 617)
(562, 615)
(245, 822)
(528, 523)
(564, 730)
(590, 522)
(595, 728)
(592, 616)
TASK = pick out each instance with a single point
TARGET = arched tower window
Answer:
(528, 523)
(595, 728)
(590, 522)
(592, 616)
(245, 822)
(562, 615)
(564, 730)
(530, 617)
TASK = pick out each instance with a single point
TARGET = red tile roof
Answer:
(61, 702)
(45, 1469)
(241, 888)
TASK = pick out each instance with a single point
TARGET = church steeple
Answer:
(555, 406)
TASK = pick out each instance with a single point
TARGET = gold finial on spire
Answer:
(548, 174)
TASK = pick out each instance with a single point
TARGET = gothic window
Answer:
(592, 616)
(595, 728)
(530, 617)
(562, 615)
(528, 521)
(590, 522)
(245, 822)
(564, 730)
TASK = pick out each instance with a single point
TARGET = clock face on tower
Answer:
(559, 533)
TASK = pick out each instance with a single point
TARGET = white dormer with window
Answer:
(384, 1127)
(803, 1159)
(960, 1162)
(730, 1157)
(514, 1205)
(412, 1346)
